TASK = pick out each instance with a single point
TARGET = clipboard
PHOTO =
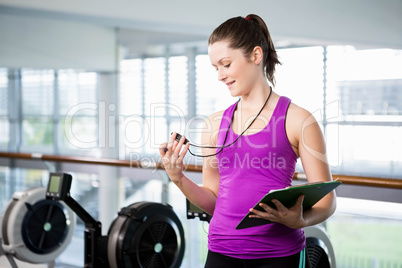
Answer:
(313, 192)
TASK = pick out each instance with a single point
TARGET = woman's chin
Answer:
(234, 93)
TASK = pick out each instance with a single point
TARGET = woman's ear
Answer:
(257, 55)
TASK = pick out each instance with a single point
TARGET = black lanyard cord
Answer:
(227, 131)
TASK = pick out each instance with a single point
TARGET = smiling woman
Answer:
(236, 145)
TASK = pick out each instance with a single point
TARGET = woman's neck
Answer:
(255, 98)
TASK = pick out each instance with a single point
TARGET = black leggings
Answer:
(216, 260)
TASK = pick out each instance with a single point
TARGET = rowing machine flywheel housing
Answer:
(319, 247)
(146, 235)
(34, 229)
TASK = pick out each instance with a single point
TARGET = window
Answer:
(355, 97)
(77, 115)
(300, 77)
(37, 110)
(131, 105)
(51, 110)
(366, 85)
(154, 86)
(131, 82)
(142, 105)
(4, 124)
(153, 100)
(177, 107)
(178, 86)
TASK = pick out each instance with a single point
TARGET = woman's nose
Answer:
(221, 75)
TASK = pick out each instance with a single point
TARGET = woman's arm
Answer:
(313, 155)
(204, 196)
(308, 142)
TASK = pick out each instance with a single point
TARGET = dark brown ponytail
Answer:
(247, 33)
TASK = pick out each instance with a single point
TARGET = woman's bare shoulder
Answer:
(298, 120)
(298, 117)
(215, 118)
(297, 112)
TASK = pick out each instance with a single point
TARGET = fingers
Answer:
(171, 142)
(163, 149)
(258, 214)
(173, 147)
(269, 212)
(179, 146)
(292, 217)
(166, 147)
(186, 147)
(300, 200)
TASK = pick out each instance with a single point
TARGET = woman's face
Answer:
(238, 72)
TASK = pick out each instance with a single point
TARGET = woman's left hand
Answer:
(291, 217)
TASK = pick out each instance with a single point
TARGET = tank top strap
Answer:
(227, 116)
(279, 111)
(281, 107)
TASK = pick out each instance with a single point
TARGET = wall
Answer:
(49, 43)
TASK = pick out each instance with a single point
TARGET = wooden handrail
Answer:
(346, 179)
(92, 161)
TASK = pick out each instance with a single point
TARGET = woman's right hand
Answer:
(172, 155)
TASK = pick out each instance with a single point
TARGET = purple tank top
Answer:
(248, 169)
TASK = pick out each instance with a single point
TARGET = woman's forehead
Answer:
(219, 50)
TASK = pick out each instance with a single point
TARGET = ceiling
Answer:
(145, 25)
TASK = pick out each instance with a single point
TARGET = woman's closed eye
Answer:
(225, 66)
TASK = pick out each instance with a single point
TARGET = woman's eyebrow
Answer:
(220, 61)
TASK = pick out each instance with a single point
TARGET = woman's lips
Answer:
(230, 83)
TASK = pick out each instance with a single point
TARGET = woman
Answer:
(251, 148)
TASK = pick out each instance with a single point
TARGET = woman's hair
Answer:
(245, 34)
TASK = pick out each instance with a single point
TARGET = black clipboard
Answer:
(313, 192)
